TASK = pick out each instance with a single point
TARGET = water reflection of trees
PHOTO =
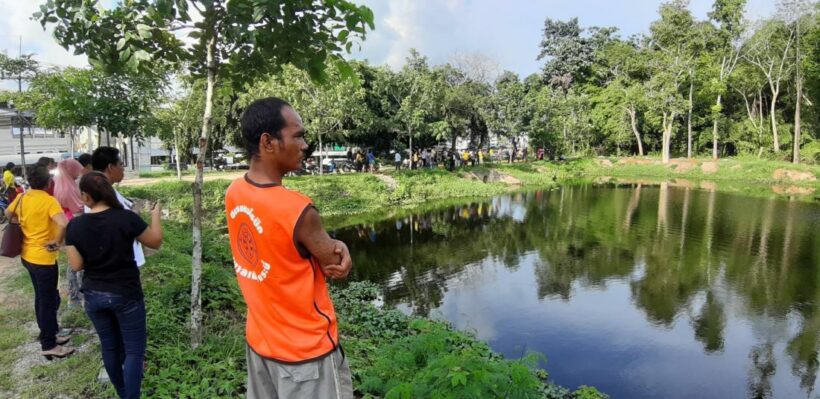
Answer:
(679, 248)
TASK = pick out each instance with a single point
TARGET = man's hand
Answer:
(341, 270)
(52, 246)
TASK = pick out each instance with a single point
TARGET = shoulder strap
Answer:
(19, 204)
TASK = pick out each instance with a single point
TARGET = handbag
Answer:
(12, 244)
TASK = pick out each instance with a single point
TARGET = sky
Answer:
(508, 31)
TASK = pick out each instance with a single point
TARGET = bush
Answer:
(810, 152)
(393, 355)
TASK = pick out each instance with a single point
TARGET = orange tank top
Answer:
(290, 315)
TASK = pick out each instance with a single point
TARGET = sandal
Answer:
(58, 352)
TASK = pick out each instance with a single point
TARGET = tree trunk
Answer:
(22, 140)
(689, 121)
(715, 129)
(196, 263)
(176, 153)
(668, 122)
(776, 143)
(133, 163)
(410, 133)
(22, 147)
(799, 88)
(71, 140)
(321, 158)
(633, 117)
(761, 125)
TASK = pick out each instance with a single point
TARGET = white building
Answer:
(38, 142)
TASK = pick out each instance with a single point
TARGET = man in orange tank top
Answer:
(282, 256)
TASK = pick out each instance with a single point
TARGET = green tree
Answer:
(463, 106)
(748, 83)
(670, 61)
(419, 94)
(799, 17)
(569, 55)
(768, 50)
(236, 41)
(727, 15)
(543, 102)
(509, 111)
(623, 69)
(22, 68)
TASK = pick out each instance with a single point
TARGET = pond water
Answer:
(642, 291)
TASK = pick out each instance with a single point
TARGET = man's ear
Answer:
(268, 142)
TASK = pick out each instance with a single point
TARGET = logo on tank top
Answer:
(246, 245)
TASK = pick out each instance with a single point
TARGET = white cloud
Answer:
(17, 24)
(508, 32)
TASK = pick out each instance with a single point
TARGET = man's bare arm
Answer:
(333, 256)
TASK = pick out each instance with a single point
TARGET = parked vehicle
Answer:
(173, 166)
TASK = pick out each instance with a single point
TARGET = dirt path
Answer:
(9, 268)
(141, 181)
(26, 356)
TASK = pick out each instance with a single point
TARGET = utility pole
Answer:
(19, 116)
(19, 69)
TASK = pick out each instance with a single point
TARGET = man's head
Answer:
(38, 178)
(85, 160)
(9, 166)
(47, 163)
(107, 160)
(273, 133)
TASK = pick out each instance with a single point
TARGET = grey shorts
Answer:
(328, 377)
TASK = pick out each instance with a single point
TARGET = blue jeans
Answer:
(120, 323)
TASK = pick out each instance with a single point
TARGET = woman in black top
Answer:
(100, 243)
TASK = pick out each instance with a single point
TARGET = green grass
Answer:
(73, 377)
(747, 170)
(12, 335)
(13, 315)
(164, 173)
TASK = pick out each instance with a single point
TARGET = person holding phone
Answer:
(43, 224)
(99, 242)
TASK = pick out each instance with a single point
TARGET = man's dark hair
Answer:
(84, 159)
(45, 162)
(104, 156)
(38, 178)
(10, 166)
(262, 116)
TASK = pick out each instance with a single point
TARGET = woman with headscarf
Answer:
(68, 195)
(65, 187)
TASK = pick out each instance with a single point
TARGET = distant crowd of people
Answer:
(430, 158)
(366, 160)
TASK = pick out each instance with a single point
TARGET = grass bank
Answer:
(344, 199)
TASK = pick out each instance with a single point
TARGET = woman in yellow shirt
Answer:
(43, 223)
(8, 176)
